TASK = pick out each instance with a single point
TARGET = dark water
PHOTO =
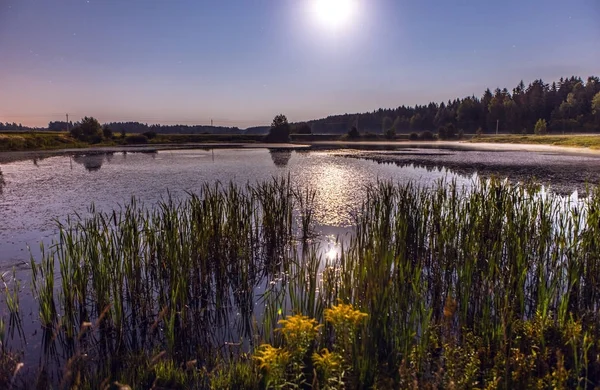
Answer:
(36, 192)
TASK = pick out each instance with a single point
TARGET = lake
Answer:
(37, 192)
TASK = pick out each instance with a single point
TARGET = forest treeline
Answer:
(568, 105)
(138, 128)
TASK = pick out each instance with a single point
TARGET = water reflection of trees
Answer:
(281, 157)
(93, 162)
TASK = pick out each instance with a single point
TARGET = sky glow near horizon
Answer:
(240, 63)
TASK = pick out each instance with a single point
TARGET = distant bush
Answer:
(461, 134)
(149, 134)
(426, 136)
(390, 133)
(88, 130)
(413, 136)
(136, 139)
(353, 133)
(541, 127)
(479, 132)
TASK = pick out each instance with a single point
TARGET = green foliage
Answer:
(273, 362)
(280, 130)
(87, 130)
(330, 368)
(541, 128)
(413, 136)
(37, 141)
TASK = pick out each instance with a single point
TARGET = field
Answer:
(12, 141)
(583, 141)
(495, 286)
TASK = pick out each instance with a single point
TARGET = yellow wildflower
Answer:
(344, 315)
(270, 358)
(299, 332)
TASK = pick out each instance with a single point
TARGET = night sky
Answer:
(240, 62)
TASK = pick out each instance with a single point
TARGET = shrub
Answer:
(390, 133)
(413, 136)
(353, 133)
(426, 136)
(541, 127)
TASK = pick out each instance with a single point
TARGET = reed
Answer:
(492, 285)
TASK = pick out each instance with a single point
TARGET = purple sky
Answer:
(240, 62)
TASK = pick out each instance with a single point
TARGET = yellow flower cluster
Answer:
(344, 315)
(270, 358)
(327, 362)
(299, 332)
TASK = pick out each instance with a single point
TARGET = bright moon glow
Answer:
(335, 13)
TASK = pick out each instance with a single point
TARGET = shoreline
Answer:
(10, 156)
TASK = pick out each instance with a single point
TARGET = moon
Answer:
(334, 14)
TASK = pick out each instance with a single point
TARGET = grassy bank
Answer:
(493, 287)
(29, 141)
(583, 141)
(204, 138)
(13, 141)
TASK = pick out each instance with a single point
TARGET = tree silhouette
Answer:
(88, 130)
(280, 130)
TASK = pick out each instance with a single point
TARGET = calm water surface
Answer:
(36, 193)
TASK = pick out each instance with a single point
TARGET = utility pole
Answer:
(497, 124)
(211, 123)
